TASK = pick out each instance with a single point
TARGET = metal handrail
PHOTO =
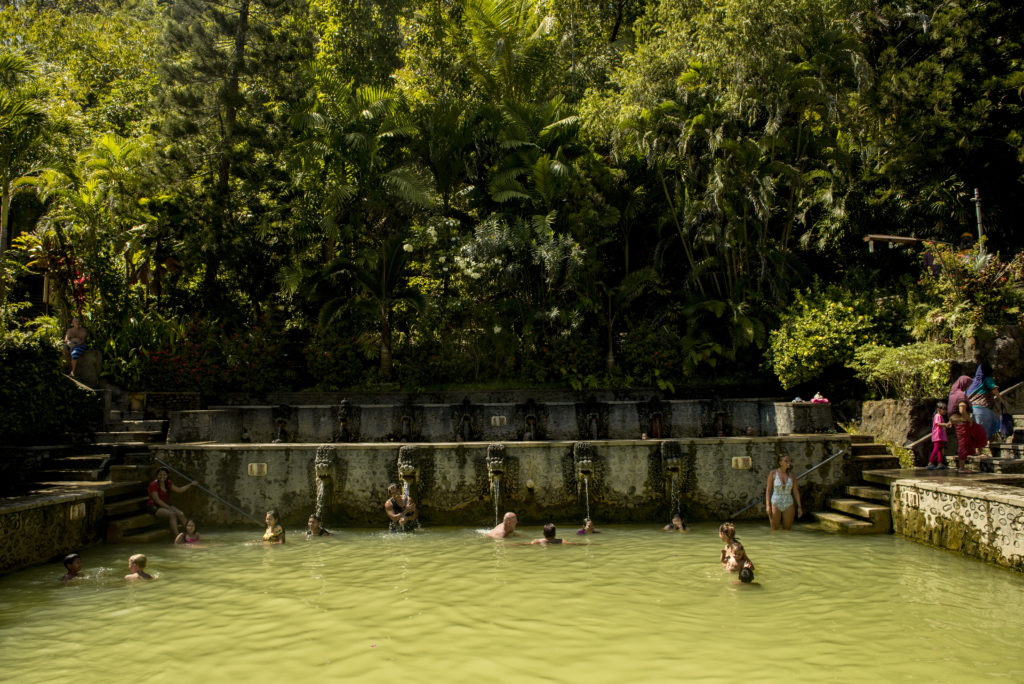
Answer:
(753, 503)
(226, 503)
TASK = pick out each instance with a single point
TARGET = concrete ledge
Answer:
(47, 525)
(976, 516)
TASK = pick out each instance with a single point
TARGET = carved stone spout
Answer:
(408, 468)
(671, 457)
(583, 463)
(495, 461)
(323, 470)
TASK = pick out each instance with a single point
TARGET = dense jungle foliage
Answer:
(248, 195)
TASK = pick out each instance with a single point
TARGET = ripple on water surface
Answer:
(630, 604)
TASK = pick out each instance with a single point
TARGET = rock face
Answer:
(978, 518)
(901, 421)
(1004, 350)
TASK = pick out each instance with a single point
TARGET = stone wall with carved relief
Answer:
(45, 527)
(978, 518)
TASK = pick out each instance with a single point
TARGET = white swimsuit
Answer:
(782, 494)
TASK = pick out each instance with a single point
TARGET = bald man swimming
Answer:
(506, 528)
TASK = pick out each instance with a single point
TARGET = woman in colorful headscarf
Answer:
(984, 395)
(958, 393)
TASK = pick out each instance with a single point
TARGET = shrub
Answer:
(38, 401)
(962, 293)
(913, 370)
(821, 328)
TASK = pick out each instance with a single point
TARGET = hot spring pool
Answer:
(446, 605)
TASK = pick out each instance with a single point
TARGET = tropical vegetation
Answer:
(250, 195)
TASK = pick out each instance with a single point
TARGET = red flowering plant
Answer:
(962, 293)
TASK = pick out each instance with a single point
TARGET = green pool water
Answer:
(446, 605)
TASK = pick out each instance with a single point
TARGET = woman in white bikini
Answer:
(780, 494)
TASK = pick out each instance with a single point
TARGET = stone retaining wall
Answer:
(978, 518)
(44, 527)
(628, 480)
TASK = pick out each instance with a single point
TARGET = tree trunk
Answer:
(5, 212)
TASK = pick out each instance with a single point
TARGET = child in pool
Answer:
(315, 529)
(727, 533)
(73, 565)
(588, 527)
(274, 533)
(736, 558)
(747, 576)
(189, 536)
(677, 524)
(137, 565)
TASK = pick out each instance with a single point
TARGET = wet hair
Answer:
(314, 516)
(273, 512)
(549, 531)
(737, 549)
(393, 485)
(193, 521)
(728, 530)
(139, 560)
(746, 574)
(681, 519)
(69, 559)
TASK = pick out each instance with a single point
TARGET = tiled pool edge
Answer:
(976, 517)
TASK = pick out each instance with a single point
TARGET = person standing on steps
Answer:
(74, 342)
(939, 426)
(985, 398)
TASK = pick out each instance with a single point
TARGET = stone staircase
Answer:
(126, 514)
(117, 463)
(865, 508)
(1005, 456)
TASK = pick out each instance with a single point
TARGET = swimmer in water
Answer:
(189, 536)
(73, 565)
(506, 528)
(137, 566)
(677, 524)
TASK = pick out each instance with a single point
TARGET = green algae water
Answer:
(631, 604)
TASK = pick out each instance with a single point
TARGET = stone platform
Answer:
(979, 515)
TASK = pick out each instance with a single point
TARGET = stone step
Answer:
(870, 449)
(143, 426)
(120, 490)
(882, 477)
(862, 439)
(869, 493)
(988, 464)
(129, 473)
(80, 462)
(132, 522)
(83, 475)
(858, 508)
(126, 507)
(144, 436)
(868, 459)
(148, 536)
(838, 523)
